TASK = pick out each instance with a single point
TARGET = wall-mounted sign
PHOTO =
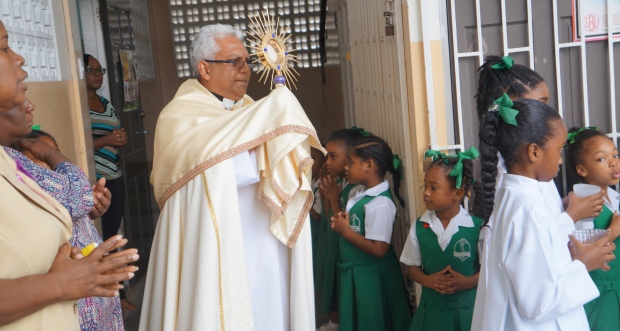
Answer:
(130, 80)
(591, 20)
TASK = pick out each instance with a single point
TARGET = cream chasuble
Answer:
(201, 275)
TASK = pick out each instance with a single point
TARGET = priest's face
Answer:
(224, 78)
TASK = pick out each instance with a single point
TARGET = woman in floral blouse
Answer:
(69, 185)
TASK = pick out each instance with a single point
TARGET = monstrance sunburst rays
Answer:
(270, 42)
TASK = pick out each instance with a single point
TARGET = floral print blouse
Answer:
(70, 186)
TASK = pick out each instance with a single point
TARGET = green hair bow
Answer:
(362, 131)
(503, 105)
(571, 136)
(434, 155)
(396, 162)
(36, 127)
(457, 170)
(507, 63)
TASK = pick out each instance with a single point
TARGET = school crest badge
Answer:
(462, 249)
(355, 223)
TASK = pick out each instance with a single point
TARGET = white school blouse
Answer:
(411, 251)
(380, 212)
(531, 281)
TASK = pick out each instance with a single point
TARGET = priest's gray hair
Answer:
(204, 45)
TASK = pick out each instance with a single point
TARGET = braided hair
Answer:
(574, 151)
(492, 83)
(536, 124)
(468, 175)
(378, 150)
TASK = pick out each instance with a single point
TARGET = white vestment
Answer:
(531, 281)
(552, 200)
(232, 249)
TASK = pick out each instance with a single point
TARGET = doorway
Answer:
(106, 32)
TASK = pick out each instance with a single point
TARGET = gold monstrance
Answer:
(270, 43)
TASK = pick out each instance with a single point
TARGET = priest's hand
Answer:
(596, 255)
(340, 222)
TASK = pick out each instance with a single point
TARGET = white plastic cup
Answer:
(585, 190)
(589, 236)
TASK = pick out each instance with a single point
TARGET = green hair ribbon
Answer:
(571, 136)
(457, 170)
(36, 127)
(503, 105)
(361, 131)
(396, 162)
(507, 63)
(434, 155)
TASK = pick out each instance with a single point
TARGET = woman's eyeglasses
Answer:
(93, 71)
(237, 63)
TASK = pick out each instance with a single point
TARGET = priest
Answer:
(232, 249)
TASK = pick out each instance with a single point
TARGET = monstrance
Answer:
(270, 42)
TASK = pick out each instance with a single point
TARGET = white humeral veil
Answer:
(223, 254)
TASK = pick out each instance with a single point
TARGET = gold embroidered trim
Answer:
(219, 250)
(288, 198)
(271, 204)
(232, 152)
(300, 221)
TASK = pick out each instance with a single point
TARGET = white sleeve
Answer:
(566, 225)
(411, 251)
(379, 219)
(532, 267)
(317, 202)
(246, 172)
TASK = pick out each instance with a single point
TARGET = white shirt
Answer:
(531, 281)
(411, 251)
(318, 205)
(611, 204)
(380, 212)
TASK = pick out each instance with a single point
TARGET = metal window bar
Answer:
(612, 79)
(457, 75)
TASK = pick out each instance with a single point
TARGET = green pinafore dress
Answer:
(331, 277)
(321, 251)
(372, 292)
(604, 312)
(447, 311)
